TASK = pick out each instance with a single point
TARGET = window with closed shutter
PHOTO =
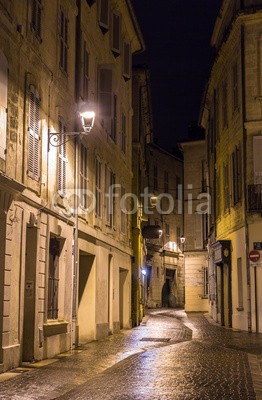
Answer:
(63, 40)
(127, 60)
(103, 14)
(98, 188)
(3, 102)
(33, 134)
(224, 105)
(235, 87)
(62, 158)
(116, 34)
(83, 176)
(123, 213)
(226, 188)
(123, 133)
(36, 17)
(85, 72)
(236, 175)
(107, 100)
(53, 278)
(198, 231)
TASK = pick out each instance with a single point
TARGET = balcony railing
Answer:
(255, 198)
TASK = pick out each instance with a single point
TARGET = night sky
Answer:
(177, 35)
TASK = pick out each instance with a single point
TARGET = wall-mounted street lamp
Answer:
(87, 119)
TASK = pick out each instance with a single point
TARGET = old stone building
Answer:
(65, 274)
(196, 207)
(232, 117)
(165, 261)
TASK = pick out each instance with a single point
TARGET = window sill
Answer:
(53, 327)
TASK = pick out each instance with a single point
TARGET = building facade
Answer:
(196, 208)
(164, 261)
(65, 273)
(232, 116)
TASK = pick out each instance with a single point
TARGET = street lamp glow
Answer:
(87, 120)
(143, 271)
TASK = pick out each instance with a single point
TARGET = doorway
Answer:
(123, 298)
(29, 294)
(86, 298)
(110, 295)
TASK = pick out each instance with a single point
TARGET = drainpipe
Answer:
(249, 316)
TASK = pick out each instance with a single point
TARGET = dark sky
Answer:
(177, 35)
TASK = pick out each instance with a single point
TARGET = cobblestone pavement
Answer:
(170, 356)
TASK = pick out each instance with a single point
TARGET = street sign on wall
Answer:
(254, 256)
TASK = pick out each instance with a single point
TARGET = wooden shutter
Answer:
(62, 160)
(127, 60)
(106, 98)
(257, 159)
(198, 231)
(3, 102)
(36, 17)
(85, 73)
(123, 136)
(103, 14)
(33, 134)
(116, 33)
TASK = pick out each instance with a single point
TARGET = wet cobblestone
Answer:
(199, 361)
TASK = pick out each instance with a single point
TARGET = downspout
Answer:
(249, 316)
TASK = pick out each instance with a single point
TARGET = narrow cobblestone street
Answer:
(170, 356)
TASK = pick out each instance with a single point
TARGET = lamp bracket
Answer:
(54, 138)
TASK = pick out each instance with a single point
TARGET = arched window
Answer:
(3, 102)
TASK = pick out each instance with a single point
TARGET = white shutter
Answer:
(62, 160)
(257, 159)
(33, 133)
(3, 102)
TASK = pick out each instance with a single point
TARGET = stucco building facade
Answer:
(65, 274)
(232, 118)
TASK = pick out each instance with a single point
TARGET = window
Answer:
(116, 34)
(178, 235)
(36, 17)
(114, 121)
(123, 133)
(205, 273)
(224, 105)
(63, 40)
(218, 196)
(123, 214)
(178, 188)
(127, 60)
(167, 229)
(107, 100)
(109, 197)
(236, 175)
(217, 113)
(155, 178)
(83, 176)
(3, 103)
(53, 278)
(103, 14)
(235, 87)
(166, 181)
(198, 231)
(62, 158)
(33, 133)
(98, 188)
(226, 188)
(240, 284)
(85, 72)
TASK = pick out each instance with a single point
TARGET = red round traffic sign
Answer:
(254, 256)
